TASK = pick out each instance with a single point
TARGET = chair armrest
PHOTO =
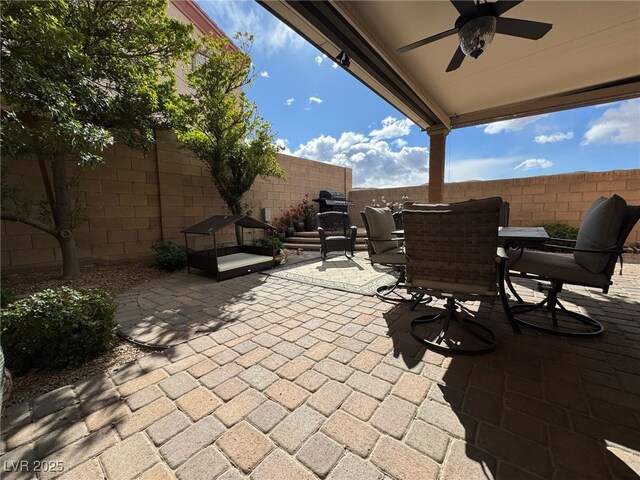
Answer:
(385, 239)
(501, 254)
(321, 233)
(354, 231)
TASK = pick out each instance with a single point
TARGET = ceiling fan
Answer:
(476, 26)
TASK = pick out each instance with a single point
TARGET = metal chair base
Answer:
(554, 309)
(391, 293)
(481, 339)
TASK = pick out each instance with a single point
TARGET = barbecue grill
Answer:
(332, 201)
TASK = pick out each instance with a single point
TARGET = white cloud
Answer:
(264, 74)
(320, 59)
(289, 101)
(616, 125)
(533, 163)
(334, 65)
(510, 125)
(392, 128)
(271, 35)
(375, 164)
(399, 143)
(554, 137)
(315, 100)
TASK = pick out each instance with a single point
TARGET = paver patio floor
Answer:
(297, 381)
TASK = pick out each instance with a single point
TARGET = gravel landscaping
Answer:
(115, 279)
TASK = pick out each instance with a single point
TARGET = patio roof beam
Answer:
(623, 90)
(325, 18)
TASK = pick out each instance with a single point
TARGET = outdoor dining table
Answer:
(510, 237)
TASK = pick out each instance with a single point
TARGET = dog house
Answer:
(233, 261)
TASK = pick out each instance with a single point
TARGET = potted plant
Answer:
(297, 219)
(308, 213)
(273, 242)
(288, 221)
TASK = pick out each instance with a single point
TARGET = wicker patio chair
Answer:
(336, 233)
(452, 253)
(600, 242)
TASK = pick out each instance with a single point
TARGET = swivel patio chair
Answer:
(336, 233)
(452, 253)
(385, 249)
(601, 237)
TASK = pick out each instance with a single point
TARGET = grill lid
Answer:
(333, 194)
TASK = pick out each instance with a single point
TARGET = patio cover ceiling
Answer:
(590, 56)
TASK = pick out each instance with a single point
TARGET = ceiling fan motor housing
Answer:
(476, 31)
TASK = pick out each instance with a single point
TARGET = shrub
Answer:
(270, 241)
(56, 328)
(168, 256)
(561, 230)
(6, 297)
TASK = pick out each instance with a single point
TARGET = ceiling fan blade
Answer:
(522, 28)
(424, 41)
(503, 6)
(464, 7)
(456, 60)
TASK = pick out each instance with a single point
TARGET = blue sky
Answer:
(321, 112)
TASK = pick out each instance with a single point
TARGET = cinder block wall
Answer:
(534, 200)
(133, 200)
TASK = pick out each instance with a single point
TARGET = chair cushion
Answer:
(600, 230)
(381, 224)
(562, 268)
(394, 256)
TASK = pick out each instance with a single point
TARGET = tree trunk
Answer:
(236, 209)
(239, 235)
(63, 217)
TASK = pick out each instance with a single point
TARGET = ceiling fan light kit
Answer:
(476, 35)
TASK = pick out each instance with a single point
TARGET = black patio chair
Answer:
(336, 233)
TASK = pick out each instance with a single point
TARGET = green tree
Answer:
(221, 126)
(75, 75)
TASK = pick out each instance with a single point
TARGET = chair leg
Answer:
(551, 311)
(503, 275)
(477, 338)
(512, 289)
(418, 299)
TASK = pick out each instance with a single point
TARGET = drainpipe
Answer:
(155, 151)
